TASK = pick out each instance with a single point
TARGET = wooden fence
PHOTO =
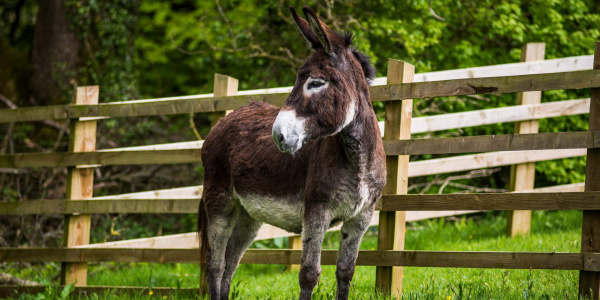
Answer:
(402, 86)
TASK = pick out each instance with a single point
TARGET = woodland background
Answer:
(135, 49)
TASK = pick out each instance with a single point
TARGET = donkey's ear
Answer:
(327, 37)
(309, 37)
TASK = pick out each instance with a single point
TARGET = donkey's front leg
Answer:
(316, 222)
(352, 233)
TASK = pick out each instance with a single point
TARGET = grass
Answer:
(558, 231)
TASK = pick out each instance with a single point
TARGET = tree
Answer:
(54, 54)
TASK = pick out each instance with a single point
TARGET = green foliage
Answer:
(51, 293)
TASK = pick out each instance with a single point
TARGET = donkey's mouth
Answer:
(291, 144)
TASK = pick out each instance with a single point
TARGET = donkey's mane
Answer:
(365, 63)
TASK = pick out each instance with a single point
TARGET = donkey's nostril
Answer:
(278, 138)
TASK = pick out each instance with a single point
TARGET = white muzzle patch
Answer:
(288, 131)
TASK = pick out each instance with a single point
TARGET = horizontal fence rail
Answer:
(492, 201)
(132, 206)
(486, 143)
(136, 109)
(500, 115)
(425, 202)
(100, 158)
(490, 85)
(408, 258)
(507, 142)
(471, 86)
(575, 63)
(486, 160)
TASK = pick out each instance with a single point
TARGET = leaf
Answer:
(67, 290)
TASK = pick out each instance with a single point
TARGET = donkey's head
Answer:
(329, 89)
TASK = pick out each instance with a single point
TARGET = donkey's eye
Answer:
(315, 84)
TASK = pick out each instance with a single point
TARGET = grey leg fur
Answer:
(243, 234)
(219, 231)
(352, 233)
(313, 232)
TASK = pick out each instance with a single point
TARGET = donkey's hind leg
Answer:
(220, 226)
(243, 234)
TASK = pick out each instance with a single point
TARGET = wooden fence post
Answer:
(398, 116)
(80, 185)
(589, 281)
(522, 176)
(224, 86)
(294, 242)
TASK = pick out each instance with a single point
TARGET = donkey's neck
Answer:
(360, 137)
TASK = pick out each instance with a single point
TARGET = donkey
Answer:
(317, 162)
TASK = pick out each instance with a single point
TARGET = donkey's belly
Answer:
(285, 213)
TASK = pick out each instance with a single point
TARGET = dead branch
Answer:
(449, 181)
(480, 97)
(12, 171)
(434, 105)
(430, 184)
(482, 190)
(7, 138)
(435, 15)
(193, 127)
(106, 184)
(64, 129)
(5, 142)
(129, 177)
(6, 278)
(7, 102)
(31, 144)
(472, 174)
(11, 126)
(57, 125)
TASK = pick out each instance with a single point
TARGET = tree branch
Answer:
(434, 14)
(450, 181)
(7, 102)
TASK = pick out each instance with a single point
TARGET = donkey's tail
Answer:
(202, 228)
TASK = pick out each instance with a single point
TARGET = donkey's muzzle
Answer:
(288, 132)
(289, 145)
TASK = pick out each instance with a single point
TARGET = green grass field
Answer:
(558, 231)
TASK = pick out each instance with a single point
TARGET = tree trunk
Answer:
(54, 54)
